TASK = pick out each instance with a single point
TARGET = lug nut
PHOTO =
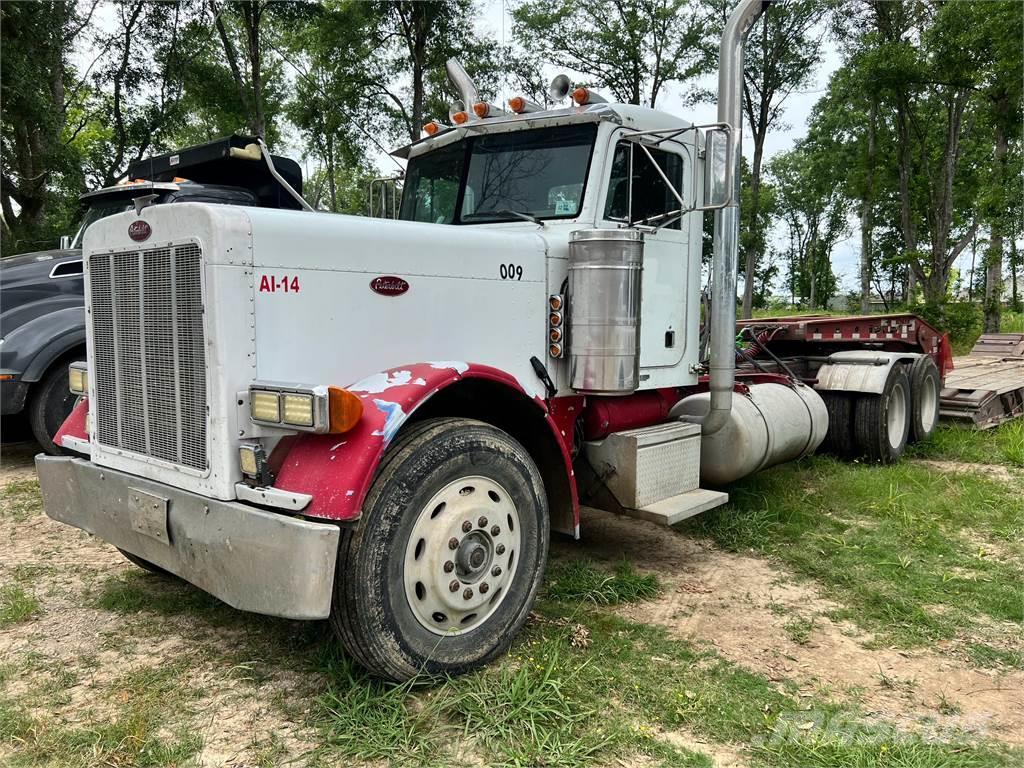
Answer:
(449, 566)
(484, 588)
(453, 543)
(467, 527)
(495, 530)
(500, 549)
(496, 570)
(467, 594)
(454, 586)
(482, 522)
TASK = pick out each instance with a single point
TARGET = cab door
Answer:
(665, 287)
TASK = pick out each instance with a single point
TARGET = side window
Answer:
(651, 196)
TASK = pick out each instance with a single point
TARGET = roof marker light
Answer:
(521, 105)
(433, 128)
(460, 118)
(484, 109)
(586, 96)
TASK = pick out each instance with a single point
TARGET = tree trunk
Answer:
(994, 261)
(867, 216)
(906, 206)
(1014, 265)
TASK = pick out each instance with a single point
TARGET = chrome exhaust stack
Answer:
(463, 84)
(727, 220)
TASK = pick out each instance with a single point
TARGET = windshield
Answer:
(99, 210)
(487, 178)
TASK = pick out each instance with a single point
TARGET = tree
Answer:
(782, 52)
(631, 48)
(38, 85)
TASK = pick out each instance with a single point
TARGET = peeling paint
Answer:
(457, 365)
(380, 382)
(395, 416)
(336, 446)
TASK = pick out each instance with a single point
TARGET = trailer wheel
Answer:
(444, 566)
(839, 438)
(145, 564)
(881, 423)
(925, 386)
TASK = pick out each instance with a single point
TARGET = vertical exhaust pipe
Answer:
(722, 377)
(463, 84)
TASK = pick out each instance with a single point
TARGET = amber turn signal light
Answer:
(345, 409)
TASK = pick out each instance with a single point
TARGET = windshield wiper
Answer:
(506, 212)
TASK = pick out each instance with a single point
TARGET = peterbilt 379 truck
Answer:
(381, 422)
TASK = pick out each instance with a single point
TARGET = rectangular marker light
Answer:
(265, 406)
(298, 409)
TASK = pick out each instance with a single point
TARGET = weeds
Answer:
(16, 605)
(1000, 445)
(581, 581)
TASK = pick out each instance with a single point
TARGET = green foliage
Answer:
(633, 49)
(961, 320)
(1001, 445)
(582, 581)
(16, 605)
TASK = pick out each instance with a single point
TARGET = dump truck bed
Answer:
(986, 387)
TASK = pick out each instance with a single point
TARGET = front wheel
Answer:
(445, 564)
(50, 405)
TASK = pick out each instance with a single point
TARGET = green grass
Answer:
(16, 605)
(580, 580)
(149, 726)
(894, 544)
(20, 500)
(552, 704)
(1000, 445)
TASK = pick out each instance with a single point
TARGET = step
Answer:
(677, 508)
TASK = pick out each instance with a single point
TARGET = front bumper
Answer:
(251, 559)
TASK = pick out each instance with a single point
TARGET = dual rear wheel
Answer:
(878, 427)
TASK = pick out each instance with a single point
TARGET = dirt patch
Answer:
(242, 722)
(17, 461)
(995, 471)
(766, 621)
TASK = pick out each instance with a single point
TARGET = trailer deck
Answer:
(986, 387)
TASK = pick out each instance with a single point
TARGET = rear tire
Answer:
(925, 389)
(51, 403)
(145, 564)
(405, 601)
(839, 438)
(881, 423)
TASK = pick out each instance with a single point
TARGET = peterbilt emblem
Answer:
(139, 230)
(389, 285)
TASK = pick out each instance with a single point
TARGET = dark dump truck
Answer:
(42, 314)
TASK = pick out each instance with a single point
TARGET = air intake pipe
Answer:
(463, 84)
(727, 220)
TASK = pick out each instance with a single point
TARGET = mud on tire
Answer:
(410, 574)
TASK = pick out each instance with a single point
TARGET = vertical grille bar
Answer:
(149, 353)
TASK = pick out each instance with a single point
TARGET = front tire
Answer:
(50, 405)
(445, 564)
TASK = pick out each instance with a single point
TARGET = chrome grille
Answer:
(148, 353)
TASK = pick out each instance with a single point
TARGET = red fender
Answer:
(74, 424)
(337, 470)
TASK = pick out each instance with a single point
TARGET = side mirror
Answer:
(65, 242)
(719, 170)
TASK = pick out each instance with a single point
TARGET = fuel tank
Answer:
(770, 424)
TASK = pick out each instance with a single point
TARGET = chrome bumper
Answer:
(253, 560)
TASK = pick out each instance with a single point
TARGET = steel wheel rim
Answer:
(462, 555)
(928, 398)
(897, 416)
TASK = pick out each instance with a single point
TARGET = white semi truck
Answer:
(380, 422)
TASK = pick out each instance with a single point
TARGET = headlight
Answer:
(78, 379)
(265, 406)
(311, 409)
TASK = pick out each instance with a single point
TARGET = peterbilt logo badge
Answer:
(389, 285)
(139, 230)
